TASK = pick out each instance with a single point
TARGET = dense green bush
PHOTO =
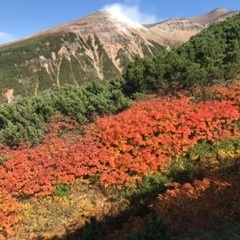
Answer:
(24, 120)
(92, 99)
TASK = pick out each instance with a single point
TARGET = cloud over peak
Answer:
(130, 13)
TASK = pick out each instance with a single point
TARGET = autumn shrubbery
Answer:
(205, 204)
(119, 149)
(10, 214)
(136, 151)
(226, 92)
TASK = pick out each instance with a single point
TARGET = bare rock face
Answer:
(9, 95)
(174, 32)
(97, 45)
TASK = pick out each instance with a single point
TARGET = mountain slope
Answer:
(214, 16)
(98, 45)
(179, 30)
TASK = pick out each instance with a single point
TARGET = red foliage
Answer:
(121, 148)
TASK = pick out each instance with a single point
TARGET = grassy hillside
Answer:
(43, 63)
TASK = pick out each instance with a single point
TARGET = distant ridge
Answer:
(214, 16)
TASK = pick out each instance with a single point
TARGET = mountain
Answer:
(97, 45)
(176, 31)
(217, 15)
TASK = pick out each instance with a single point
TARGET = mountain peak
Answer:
(113, 15)
(220, 11)
(215, 15)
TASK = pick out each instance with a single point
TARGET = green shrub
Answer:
(218, 156)
(181, 170)
(61, 190)
(24, 120)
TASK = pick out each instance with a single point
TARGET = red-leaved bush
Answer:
(119, 149)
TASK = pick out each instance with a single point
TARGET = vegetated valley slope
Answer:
(97, 45)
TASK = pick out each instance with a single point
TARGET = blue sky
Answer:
(21, 18)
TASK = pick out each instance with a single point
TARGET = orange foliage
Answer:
(204, 203)
(119, 149)
(229, 92)
(9, 214)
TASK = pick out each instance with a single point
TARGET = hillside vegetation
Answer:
(44, 63)
(24, 120)
(88, 162)
(212, 56)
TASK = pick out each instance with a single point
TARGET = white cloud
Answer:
(6, 37)
(130, 13)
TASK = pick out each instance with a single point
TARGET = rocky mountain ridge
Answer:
(97, 45)
(176, 31)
